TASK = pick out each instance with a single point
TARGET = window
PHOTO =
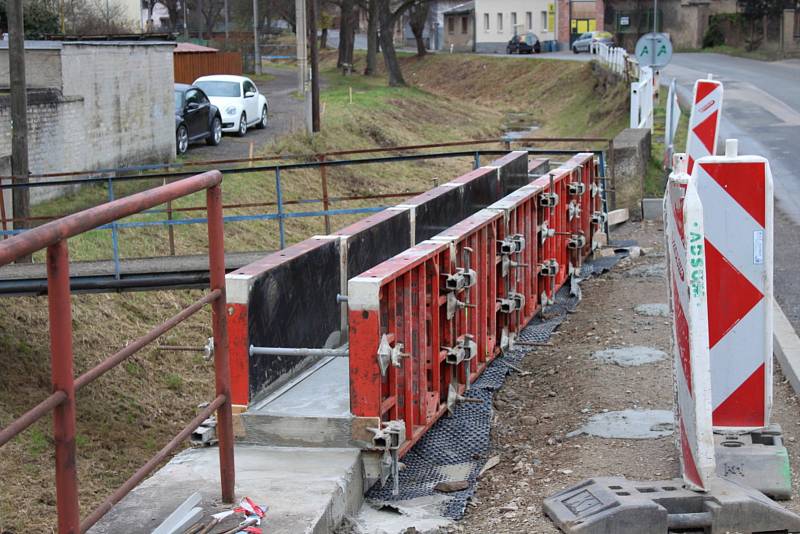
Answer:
(529, 20)
(499, 23)
(513, 21)
(464, 25)
(215, 88)
(193, 97)
(544, 21)
(249, 87)
(451, 25)
(486, 21)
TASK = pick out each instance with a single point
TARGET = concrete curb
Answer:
(787, 347)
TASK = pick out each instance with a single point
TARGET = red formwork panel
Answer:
(420, 312)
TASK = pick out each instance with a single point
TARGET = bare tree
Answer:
(388, 19)
(94, 17)
(347, 32)
(418, 17)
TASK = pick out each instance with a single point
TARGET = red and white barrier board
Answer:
(738, 249)
(687, 279)
(704, 121)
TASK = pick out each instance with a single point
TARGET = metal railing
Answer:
(53, 236)
(642, 94)
(322, 162)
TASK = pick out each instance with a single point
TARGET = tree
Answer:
(41, 18)
(347, 32)
(755, 11)
(388, 20)
(418, 16)
(372, 37)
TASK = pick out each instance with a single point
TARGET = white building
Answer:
(497, 21)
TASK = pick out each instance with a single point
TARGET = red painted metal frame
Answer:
(53, 236)
(405, 299)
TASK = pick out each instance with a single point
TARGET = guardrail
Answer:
(426, 322)
(642, 95)
(616, 59)
(53, 236)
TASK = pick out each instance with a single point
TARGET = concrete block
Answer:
(630, 155)
(652, 209)
(757, 459)
(614, 504)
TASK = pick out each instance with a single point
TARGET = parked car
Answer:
(586, 40)
(524, 44)
(239, 101)
(196, 118)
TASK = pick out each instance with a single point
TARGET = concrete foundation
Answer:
(629, 159)
(305, 490)
(757, 459)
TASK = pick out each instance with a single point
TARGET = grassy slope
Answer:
(133, 410)
(656, 178)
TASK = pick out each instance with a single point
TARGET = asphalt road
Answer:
(761, 108)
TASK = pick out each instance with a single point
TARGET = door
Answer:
(195, 113)
(251, 101)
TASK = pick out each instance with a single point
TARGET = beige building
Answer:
(459, 28)
(497, 21)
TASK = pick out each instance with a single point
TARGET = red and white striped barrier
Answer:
(704, 121)
(738, 223)
(687, 279)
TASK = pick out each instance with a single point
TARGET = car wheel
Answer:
(182, 139)
(216, 132)
(575, 49)
(263, 122)
(242, 125)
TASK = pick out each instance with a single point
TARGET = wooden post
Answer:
(313, 9)
(323, 172)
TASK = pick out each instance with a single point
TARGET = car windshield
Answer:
(213, 88)
(178, 99)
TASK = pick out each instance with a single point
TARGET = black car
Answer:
(195, 118)
(524, 44)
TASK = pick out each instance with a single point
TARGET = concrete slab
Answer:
(421, 515)
(629, 356)
(306, 490)
(628, 424)
(655, 309)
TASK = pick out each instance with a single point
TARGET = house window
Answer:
(513, 21)
(544, 22)
(486, 21)
(499, 23)
(529, 20)
(451, 25)
(464, 25)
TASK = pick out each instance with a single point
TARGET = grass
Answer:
(155, 393)
(656, 178)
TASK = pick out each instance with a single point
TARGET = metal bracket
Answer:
(545, 232)
(549, 268)
(573, 210)
(548, 200)
(514, 302)
(388, 354)
(464, 350)
(461, 279)
(208, 349)
(576, 242)
(599, 217)
(390, 437)
(595, 189)
(576, 188)
(513, 244)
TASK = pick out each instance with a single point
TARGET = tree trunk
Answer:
(417, 19)
(323, 39)
(372, 38)
(313, 13)
(387, 20)
(346, 32)
(421, 50)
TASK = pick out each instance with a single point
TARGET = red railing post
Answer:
(60, 310)
(222, 373)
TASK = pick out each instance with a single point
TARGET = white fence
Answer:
(615, 58)
(642, 99)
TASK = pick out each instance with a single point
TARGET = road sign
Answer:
(654, 50)
(704, 121)
(738, 243)
(685, 243)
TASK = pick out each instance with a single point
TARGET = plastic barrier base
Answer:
(757, 459)
(610, 504)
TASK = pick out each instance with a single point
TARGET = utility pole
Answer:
(185, 22)
(256, 51)
(313, 8)
(301, 31)
(19, 116)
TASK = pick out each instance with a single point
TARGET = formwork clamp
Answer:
(545, 231)
(389, 354)
(576, 188)
(465, 349)
(595, 190)
(390, 437)
(548, 200)
(599, 218)
(549, 267)
(461, 279)
(514, 302)
(576, 242)
(513, 244)
(573, 210)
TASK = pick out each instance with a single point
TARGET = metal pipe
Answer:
(60, 316)
(343, 352)
(31, 416)
(112, 361)
(222, 372)
(279, 195)
(53, 232)
(147, 468)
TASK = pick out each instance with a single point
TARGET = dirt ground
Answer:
(565, 387)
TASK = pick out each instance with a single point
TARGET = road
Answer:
(761, 108)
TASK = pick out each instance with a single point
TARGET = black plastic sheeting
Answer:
(463, 439)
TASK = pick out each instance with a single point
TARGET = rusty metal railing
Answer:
(53, 236)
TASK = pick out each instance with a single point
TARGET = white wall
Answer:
(494, 39)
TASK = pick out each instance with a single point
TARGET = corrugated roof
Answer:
(184, 48)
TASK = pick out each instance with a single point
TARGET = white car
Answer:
(238, 100)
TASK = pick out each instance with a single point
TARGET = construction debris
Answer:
(185, 515)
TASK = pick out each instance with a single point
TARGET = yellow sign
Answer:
(592, 25)
(551, 17)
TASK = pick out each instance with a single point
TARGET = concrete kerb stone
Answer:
(610, 504)
(786, 347)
